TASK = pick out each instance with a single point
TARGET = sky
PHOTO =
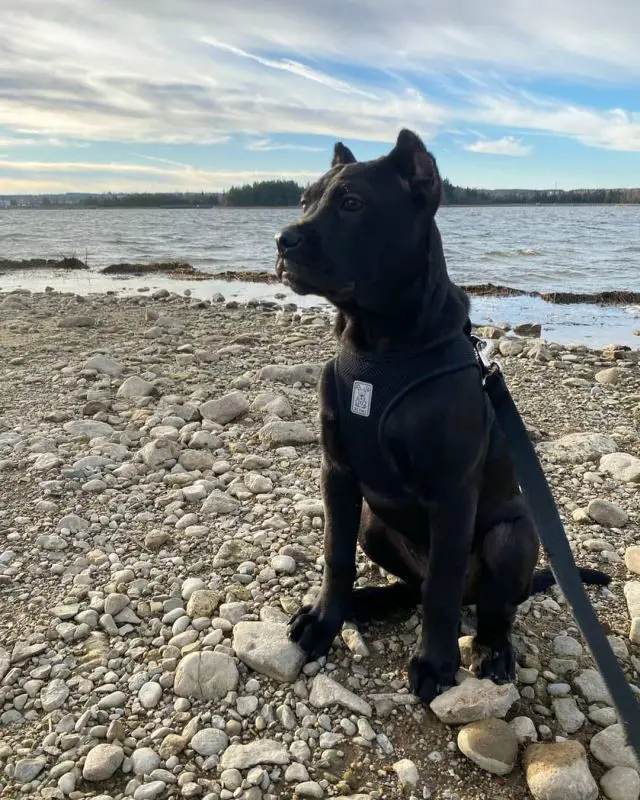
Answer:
(198, 95)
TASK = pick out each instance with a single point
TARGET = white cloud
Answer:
(265, 145)
(506, 146)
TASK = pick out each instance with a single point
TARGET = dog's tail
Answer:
(543, 579)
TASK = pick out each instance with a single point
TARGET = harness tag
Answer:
(361, 398)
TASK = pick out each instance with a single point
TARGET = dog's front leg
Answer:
(433, 668)
(315, 627)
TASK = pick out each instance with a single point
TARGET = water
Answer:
(544, 248)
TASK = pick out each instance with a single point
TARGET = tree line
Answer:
(287, 193)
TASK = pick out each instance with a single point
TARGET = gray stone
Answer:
(609, 376)
(632, 559)
(569, 716)
(266, 648)
(310, 789)
(104, 365)
(524, 730)
(144, 760)
(559, 771)
(209, 742)
(607, 514)
(149, 694)
(407, 773)
(158, 452)
(277, 434)
(76, 321)
(290, 374)
(5, 662)
(203, 603)
(621, 783)
(135, 386)
(102, 761)
(491, 744)
(260, 751)
(567, 647)
(28, 769)
(591, 686)
(91, 428)
(325, 692)
(205, 676)
(609, 747)
(258, 484)
(54, 695)
(225, 409)
(621, 466)
(578, 448)
(149, 791)
(474, 700)
(219, 503)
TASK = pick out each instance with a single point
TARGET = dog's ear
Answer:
(417, 167)
(342, 155)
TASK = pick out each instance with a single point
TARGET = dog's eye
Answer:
(351, 203)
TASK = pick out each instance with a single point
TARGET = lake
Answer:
(545, 248)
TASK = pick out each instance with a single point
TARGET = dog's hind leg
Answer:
(390, 550)
(508, 558)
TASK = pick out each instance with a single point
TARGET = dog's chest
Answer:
(369, 388)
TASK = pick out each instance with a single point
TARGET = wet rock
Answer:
(532, 329)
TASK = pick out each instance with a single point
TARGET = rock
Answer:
(260, 751)
(5, 662)
(149, 791)
(632, 595)
(621, 466)
(225, 409)
(196, 460)
(150, 694)
(310, 508)
(632, 559)
(172, 745)
(407, 773)
(28, 769)
(102, 761)
(491, 744)
(567, 647)
(219, 503)
(209, 742)
(559, 771)
(569, 716)
(104, 365)
(609, 376)
(474, 700)
(607, 514)
(310, 789)
(91, 428)
(578, 448)
(205, 676)
(203, 603)
(283, 565)
(510, 347)
(298, 373)
(158, 452)
(277, 434)
(533, 329)
(135, 386)
(235, 551)
(591, 686)
(258, 484)
(76, 321)
(54, 695)
(325, 692)
(266, 648)
(524, 730)
(489, 332)
(621, 783)
(144, 760)
(609, 747)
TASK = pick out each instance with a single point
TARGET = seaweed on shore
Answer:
(11, 264)
(175, 269)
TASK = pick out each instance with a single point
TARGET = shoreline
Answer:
(151, 529)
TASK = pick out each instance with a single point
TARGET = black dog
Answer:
(414, 465)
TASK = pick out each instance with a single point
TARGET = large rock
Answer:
(325, 692)
(260, 751)
(559, 771)
(102, 761)
(474, 700)
(621, 466)
(591, 686)
(266, 648)
(104, 365)
(219, 503)
(491, 744)
(610, 376)
(91, 428)
(533, 329)
(28, 769)
(607, 513)
(158, 452)
(569, 716)
(144, 760)
(205, 676)
(297, 373)
(209, 742)
(632, 559)
(135, 386)
(610, 748)
(202, 603)
(54, 695)
(235, 551)
(278, 434)
(621, 783)
(225, 409)
(578, 448)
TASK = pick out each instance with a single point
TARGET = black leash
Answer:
(556, 545)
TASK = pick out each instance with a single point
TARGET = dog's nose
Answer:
(289, 239)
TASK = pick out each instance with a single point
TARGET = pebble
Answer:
(325, 692)
(102, 761)
(205, 676)
(266, 648)
(209, 741)
(607, 514)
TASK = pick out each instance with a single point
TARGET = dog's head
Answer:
(365, 227)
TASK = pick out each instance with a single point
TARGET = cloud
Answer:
(506, 146)
(265, 145)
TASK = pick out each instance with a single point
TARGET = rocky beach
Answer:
(160, 519)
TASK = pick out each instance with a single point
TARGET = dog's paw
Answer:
(499, 665)
(314, 629)
(425, 681)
